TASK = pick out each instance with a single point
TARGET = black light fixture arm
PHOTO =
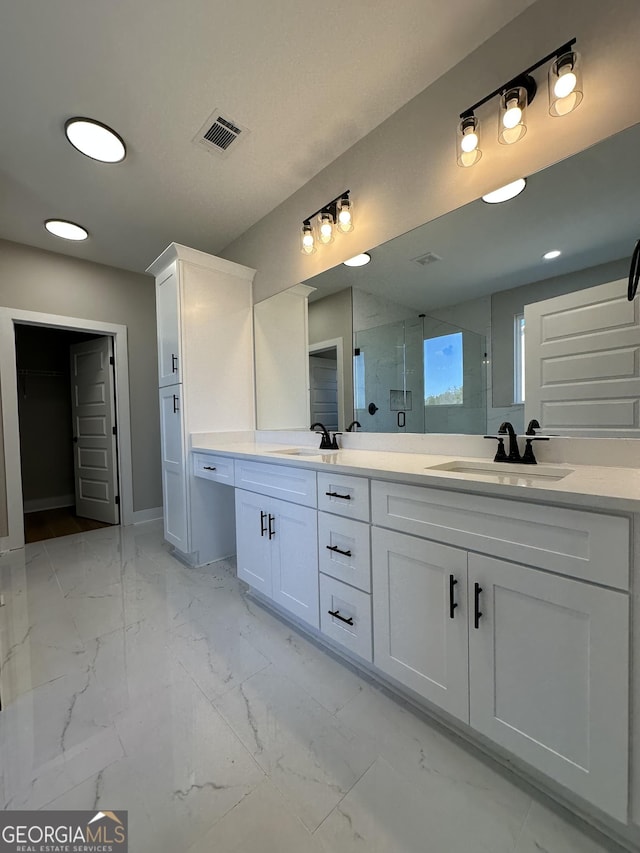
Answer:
(331, 207)
(520, 79)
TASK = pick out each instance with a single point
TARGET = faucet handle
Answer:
(501, 455)
(334, 441)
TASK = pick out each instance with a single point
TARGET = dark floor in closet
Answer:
(51, 523)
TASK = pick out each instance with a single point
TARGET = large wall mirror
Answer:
(432, 335)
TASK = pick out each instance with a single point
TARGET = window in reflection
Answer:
(443, 370)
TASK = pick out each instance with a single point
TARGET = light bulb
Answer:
(469, 141)
(326, 228)
(307, 244)
(344, 217)
(566, 82)
(513, 115)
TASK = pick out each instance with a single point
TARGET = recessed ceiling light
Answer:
(358, 260)
(66, 230)
(96, 140)
(506, 192)
(554, 253)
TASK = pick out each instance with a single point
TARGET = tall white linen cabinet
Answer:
(206, 384)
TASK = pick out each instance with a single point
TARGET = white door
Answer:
(253, 547)
(94, 430)
(174, 478)
(168, 322)
(582, 353)
(420, 617)
(323, 391)
(294, 543)
(549, 674)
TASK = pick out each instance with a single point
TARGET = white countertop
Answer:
(594, 487)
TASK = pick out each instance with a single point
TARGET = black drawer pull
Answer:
(209, 467)
(336, 495)
(174, 363)
(477, 613)
(263, 526)
(338, 550)
(337, 615)
(452, 602)
(272, 527)
(176, 401)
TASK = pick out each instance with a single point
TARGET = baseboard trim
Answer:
(142, 515)
(41, 504)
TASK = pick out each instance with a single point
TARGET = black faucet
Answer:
(506, 428)
(528, 456)
(353, 426)
(325, 441)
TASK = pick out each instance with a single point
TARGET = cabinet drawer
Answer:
(219, 468)
(338, 535)
(344, 495)
(297, 485)
(584, 545)
(353, 606)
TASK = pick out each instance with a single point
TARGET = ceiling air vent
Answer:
(220, 134)
(426, 259)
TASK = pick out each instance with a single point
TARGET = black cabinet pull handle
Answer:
(404, 420)
(336, 495)
(263, 526)
(174, 363)
(176, 407)
(477, 613)
(452, 602)
(337, 615)
(338, 550)
(272, 527)
(209, 467)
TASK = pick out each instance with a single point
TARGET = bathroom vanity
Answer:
(496, 596)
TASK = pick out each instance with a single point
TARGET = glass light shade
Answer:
(95, 140)
(66, 230)
(468, 141)
(345, 215)
(512, 115)
(307, 240)
(565, 84)
(325, 228)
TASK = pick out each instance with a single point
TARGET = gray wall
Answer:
(329, 318)
(404, 172)
(507, 303)
(35, 280)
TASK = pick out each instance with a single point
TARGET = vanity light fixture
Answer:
(552, 255)
(95, 140)
(337, 215)
(505, 193)
(65, 229)
(358, 260)
(565, 94)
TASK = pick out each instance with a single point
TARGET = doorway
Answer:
(12, 512)
(326, 384)
(68, 448)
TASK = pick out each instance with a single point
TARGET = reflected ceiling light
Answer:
(65, 229)
(565, 93)
(550, 256)
(337, 215)
(358, 260)
(95, 140)
(508, 191)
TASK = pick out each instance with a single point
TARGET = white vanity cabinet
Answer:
(205, 376)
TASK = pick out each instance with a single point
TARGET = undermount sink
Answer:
(303, 451)
(505, 472)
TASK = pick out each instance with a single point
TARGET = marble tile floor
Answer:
(130, 681)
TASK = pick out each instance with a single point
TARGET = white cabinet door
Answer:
(168, 321)
(174, 475)
(420, 617)
(253, 547)
(548, 673)
(294, 542)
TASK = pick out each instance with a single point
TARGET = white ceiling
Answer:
(308, 79)
(586, 206)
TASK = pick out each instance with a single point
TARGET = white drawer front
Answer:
(219, 468)
(344, 550)
(584, 545)
(353, 630)
(344, 495)
(297, 485)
